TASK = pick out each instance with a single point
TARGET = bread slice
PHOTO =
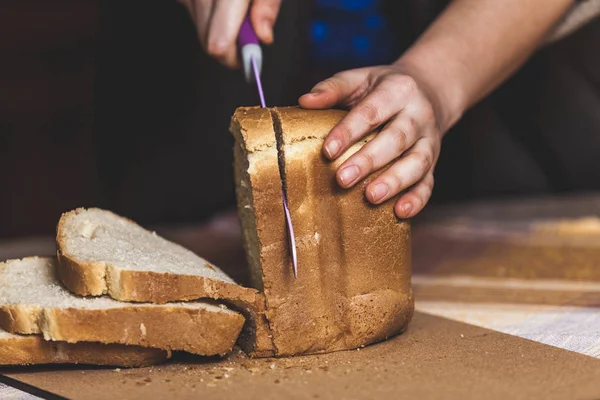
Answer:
(32, 301)
(34, 350)
(100, 252)
(103, 253)
(353, 286)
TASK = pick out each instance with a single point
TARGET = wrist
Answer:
(444, 91)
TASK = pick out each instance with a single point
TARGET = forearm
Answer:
(475, 45)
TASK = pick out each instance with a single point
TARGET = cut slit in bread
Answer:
(353, 285)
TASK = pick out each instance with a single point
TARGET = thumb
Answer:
(263, 16)
(343, 89)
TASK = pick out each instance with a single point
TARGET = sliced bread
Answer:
(34, 350)
(32, 301)
(100, 252)
(103, 253)
(353, 286)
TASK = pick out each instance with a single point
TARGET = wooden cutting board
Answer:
(436, 358)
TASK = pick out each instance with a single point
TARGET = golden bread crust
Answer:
(353, 287)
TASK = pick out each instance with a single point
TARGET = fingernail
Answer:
(312, 93)
(407, 208)
(315, 90)
(349, 174)
(332, 148)
(379, 192)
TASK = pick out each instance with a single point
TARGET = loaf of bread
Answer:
(32, 301)
(100, 252)
(34, 350)
(353, 286)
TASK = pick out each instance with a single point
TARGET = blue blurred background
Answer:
(350, 34)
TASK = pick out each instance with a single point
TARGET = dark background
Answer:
(111, 103)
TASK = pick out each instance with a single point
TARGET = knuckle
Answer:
(400, 138)
(404, 83)
(366, 160)
(425, 160)
(370, 113)
(406, 133)
(394, 181)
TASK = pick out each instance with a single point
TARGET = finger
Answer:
(225, 23)
(202, 10)
(404, 173)
(375, 109)
(341, 89)
(263, 15)
(397, 137)
(413, 201)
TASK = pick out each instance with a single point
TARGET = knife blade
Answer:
(251, 53)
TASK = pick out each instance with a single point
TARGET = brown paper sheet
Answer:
(436, 358)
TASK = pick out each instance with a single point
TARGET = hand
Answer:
(218, 23)
(385, 96)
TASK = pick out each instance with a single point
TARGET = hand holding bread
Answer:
(385, 96)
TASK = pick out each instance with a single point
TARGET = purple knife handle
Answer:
(247, 34)
(250, 52)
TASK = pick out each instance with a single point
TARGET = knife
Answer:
(251, 53)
